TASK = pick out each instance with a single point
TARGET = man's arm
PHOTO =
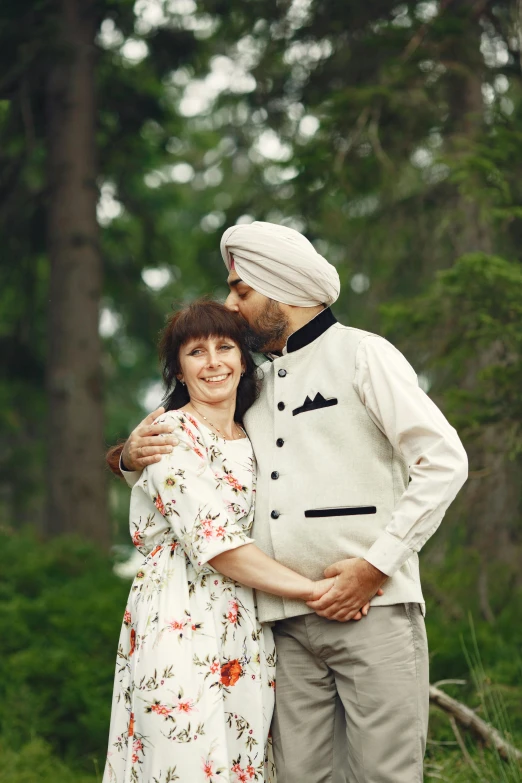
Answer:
(144, 446)
(415, 427)
(112, 458)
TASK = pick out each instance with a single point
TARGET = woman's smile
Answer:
(217, 378)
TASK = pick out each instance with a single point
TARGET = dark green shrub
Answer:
(60, 613)
(35, 763)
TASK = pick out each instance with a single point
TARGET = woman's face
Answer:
(211, 368)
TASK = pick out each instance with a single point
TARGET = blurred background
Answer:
(131, 135)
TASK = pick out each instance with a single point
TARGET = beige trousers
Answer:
(352, 698)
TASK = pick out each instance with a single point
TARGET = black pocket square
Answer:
(313, 405)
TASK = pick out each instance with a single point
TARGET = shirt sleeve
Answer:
(415, 427)
(131, 476)
(185, 491)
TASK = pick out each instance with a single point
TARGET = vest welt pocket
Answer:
(340, 511)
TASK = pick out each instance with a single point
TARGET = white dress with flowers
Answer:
(194, 686)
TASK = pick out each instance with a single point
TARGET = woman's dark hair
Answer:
(202, 319)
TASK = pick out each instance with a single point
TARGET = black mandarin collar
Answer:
(311, 331)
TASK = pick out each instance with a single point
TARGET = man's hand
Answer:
(356, 583)
(147, 442)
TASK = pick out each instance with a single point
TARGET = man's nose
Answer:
(231, 302)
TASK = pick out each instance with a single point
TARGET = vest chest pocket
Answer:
(317, 403)
(341, 511)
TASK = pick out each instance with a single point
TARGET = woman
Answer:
(193, 696)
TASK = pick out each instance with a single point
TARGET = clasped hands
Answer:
(355, 581)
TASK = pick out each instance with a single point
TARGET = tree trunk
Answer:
(76, 479)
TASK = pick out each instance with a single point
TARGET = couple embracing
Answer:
(352, 468)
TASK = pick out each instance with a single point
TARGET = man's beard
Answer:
(269, 331)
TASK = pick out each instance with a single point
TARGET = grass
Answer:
(459, 758)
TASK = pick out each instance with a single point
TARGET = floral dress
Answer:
(194, 685)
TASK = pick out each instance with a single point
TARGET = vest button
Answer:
(279, 442)
(280, 406)
(281, 373)
(275, 514)
(274, 475)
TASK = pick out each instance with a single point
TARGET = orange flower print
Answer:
(127, 618)
(137, 746)
(208, 768)
(158, 502)
(207, 529)
(178, 626)
(160, 709)
(231, 672)
(220, 532)
(131, 725)
(136, 538)
(243, 775)
(132, 642)
(232, 612)
(187, 429)
(214, 667)
(185, 706)
(234, 483)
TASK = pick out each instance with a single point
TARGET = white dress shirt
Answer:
(388, 387)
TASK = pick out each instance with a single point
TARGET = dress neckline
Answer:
(220, 437)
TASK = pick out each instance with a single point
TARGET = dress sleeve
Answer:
(186, 492)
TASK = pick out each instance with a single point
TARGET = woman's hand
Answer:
(320, 588)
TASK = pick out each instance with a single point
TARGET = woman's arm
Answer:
(251, 567)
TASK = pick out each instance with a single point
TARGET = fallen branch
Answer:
(465, 716)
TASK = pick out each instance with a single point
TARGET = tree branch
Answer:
(464, 716)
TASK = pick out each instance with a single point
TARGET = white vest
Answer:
(328, 478)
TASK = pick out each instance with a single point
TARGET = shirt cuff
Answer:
(131, 476)
(388, 554)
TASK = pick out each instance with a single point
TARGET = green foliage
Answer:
(35, 763)
(60, 609)
(472, 310)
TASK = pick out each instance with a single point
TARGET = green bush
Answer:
(35, 763)
(60, 612)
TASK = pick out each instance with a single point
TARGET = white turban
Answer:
(280, 263)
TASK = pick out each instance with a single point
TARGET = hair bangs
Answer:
(204, 319)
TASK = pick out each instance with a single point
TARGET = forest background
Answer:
(131, 135)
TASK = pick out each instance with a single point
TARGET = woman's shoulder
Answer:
(186, 429)
(181, 421)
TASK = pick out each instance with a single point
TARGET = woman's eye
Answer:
(195, 351)
(227, 347)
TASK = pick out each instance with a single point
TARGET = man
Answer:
(356, 468)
